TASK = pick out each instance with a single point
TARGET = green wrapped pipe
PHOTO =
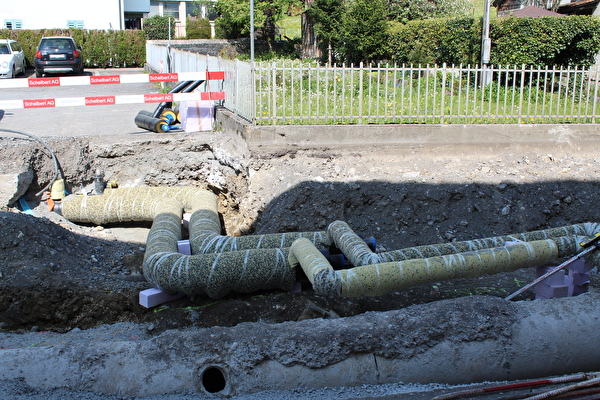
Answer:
(258, 262)
(379, 279)
(221, 264)
(140, 204)
(214, 274)
(204, 237)
(359, 253)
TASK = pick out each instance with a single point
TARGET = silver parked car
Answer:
(12, 59)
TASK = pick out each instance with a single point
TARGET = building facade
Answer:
(569, 7)
(87, 14)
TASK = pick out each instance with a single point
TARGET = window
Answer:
(154, 8)
(13, 24)
(171, 9)
(15, 47)
(193, 9)
(75, 24)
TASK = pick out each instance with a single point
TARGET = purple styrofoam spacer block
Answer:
(152, 297)
(577, 279)
(577, 290)
(549, 292)
(183, 247)
(558, 278)
(580, 266)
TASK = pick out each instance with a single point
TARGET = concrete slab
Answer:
(13, 186)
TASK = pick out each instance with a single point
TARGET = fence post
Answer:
(443, 105)
(521, 93)
(360, 94)
(595, 102)
(273, 94)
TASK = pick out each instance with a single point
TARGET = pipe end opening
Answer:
(214, 381)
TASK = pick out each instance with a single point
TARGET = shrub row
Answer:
(561, 41)
(102, 49)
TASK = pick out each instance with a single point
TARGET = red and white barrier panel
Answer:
(110, 100)
(111, 79)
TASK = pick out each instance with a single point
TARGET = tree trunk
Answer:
(309, 39)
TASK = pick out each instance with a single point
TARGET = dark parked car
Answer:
(58, 55)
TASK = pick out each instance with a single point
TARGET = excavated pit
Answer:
(58, 276)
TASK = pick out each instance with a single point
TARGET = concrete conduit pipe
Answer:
(458, 341)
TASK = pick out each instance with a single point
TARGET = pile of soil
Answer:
(59, 276)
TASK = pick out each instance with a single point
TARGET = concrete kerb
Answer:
(489, 135)
(425, 343)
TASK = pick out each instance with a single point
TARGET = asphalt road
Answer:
(79, 120)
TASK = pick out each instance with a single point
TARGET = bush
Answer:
(156, 27)
(101, 49)
(198, 28)
(566, 41)
(563, 41)
(437, 41)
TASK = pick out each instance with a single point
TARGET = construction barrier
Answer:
(111, 79)
(111, 100)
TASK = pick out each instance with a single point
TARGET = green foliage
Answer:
(564, 41)
(410, 10)
(100, 48)
(327, 15)
(572, 40)
(156, 27)
(234, 15)
(451, 41)
(198, 28)
(357, 30)
(363, 31)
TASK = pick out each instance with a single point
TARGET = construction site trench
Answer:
(60, 278)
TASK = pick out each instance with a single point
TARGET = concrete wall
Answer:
(500, 135)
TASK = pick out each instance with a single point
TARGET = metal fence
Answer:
(294, 92)
(238, 83)
(299, 93)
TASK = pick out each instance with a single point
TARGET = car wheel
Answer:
(13, 74)
(38, 73)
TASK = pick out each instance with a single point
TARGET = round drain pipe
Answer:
(214, 380)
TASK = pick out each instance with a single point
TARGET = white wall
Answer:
(48, 14)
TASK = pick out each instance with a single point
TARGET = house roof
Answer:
(579, 7)
(533, 12)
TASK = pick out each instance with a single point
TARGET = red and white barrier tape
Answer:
(111, 79)
(110, 100)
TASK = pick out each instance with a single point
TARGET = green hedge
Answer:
(561, 41)
(102, 49)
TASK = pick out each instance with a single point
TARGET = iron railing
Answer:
(300, 93)
(294, 92)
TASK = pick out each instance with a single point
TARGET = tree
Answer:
(327, 18)
(410, 10)
(363, 31)
(234, 16)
